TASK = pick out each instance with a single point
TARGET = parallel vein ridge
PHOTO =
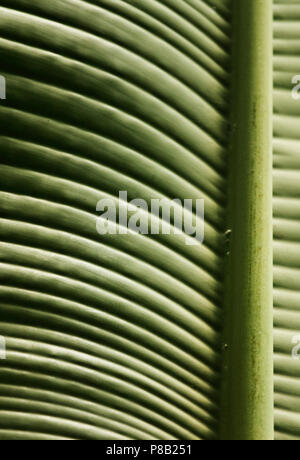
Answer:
(110, 337)
(287, 220)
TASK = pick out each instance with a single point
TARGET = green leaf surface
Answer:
(286, 220)
(144, 337)
(110, 337)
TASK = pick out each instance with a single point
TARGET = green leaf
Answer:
(286, 221)
(144, 336)
(110, 337)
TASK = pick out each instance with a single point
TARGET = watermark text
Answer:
(163, 216)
